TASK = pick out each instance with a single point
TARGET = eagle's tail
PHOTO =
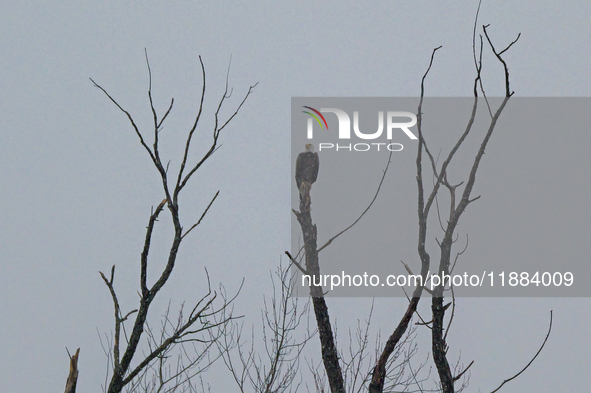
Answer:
(305, 188)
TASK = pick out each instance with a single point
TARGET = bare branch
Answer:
(532, 359)
(477, 64)
(116, 343)
(508, 92)
(457, 377)
(191, 131)
(146, 250)
(216, 134)
(137, 131)
(202, 215)
(366, 209)
(379, 373)
(154, 115)
(296, 263)
(73, 376)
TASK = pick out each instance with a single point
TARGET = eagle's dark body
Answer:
(306, 168)
(307, 165)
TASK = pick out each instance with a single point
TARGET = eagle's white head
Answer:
(309, 147)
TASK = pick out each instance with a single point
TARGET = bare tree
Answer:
(171, 356)
(273, 366)
(460, 195)
(196, 326)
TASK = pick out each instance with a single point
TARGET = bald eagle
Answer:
(307, 165)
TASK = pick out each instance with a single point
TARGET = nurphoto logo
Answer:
(393, 120)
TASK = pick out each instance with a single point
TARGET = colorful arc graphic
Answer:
(315, 117)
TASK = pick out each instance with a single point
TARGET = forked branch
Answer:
(198, 320)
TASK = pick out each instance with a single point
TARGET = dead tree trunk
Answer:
(330, 355)
(73, 376)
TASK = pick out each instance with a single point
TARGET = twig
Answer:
(366, 209)
(532, 360)
(202, 215)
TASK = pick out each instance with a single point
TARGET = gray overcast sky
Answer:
(77, 188)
